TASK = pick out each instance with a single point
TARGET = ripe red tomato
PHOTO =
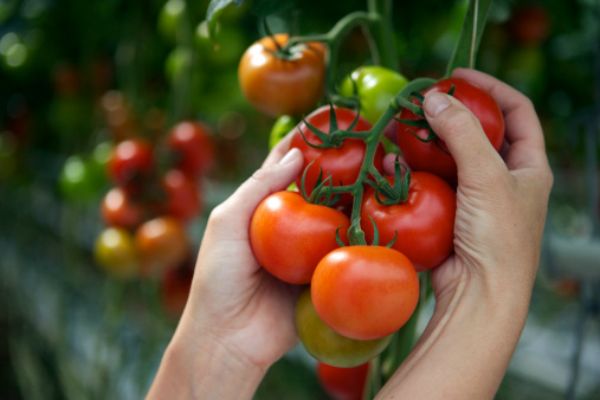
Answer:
(183, 196)
(424, 223)
(277, 83)
(193, 147)
(326, 345)
(289, 236)
(365, 292)
(119, 210)
(130, 160)
(342, 163)
(175, 288)
(343, 383)
(161, 243)
(433, 156)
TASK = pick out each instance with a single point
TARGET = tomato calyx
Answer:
(322, 193)
(396, 193)
(336, 137)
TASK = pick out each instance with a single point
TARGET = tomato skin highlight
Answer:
(278, 86)
(433, 156)
(343, 383)
(365, 292)
(342, 163)
(289, 236)
(119, 210)
(326, 345)
(161, 244)
(130, 160)
(424, 223)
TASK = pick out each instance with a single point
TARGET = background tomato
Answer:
(192, 146)
(277, 83)
(77, 180)
(175, 288)
(161, 243)
(343, 383)
(289, 236)
(328, 346)
(365, 292)
(424, 223)
(183, 197)
(342, 163)
(115, 252)
(131, 159)
(119, 210)
(433, 156)
(375, 87)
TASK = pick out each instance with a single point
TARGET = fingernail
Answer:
(290, 156)
(435, 103)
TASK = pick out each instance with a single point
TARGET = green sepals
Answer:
(303, 180)
(375, 241)
(333, 125)
(398, 193)
(338, 238)
(452, 90)
(392, 242)
(322, 193)
(318, 133)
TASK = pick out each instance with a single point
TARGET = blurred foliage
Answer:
(68, 331)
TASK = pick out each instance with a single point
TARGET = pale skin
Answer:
(239, 320)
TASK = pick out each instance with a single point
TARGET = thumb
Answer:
(462, 133)
(235, 212)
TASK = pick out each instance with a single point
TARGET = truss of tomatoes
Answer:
(359, 295)
(156, 192)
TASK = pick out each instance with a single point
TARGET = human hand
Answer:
(238, 319)
(483, 290)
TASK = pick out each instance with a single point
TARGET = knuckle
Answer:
(459, 121)
(218, 215)
(260, 175)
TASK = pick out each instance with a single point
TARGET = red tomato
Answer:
(183, 197)
(193, 147)
(175, 288)
(119, 210)
(365, 292)
(433, 156)
(342, 163)
(343, 383)
(130, 160)
(161, 243)
(289, 236)
(424, 223)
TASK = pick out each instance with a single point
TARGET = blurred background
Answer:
(77, 77)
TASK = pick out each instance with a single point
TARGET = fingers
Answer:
(233, 215)
(473, 153)
(523, 130)
(280, 149)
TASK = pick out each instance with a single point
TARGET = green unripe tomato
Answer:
(77, 180)
(170, 18)
(328, 346)
(375, 86)
(282, 126)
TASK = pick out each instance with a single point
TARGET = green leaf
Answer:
(216, 7)
(466, 48)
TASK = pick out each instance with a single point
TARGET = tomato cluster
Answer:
(156, 193)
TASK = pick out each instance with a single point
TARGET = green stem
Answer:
(383, 33)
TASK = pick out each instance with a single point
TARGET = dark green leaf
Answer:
(466, 48)
(216, 7)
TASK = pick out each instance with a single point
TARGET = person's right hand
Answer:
(483, 290)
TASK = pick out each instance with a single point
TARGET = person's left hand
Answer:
(238, 317)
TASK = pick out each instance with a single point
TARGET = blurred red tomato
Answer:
(119, 210)
(130, 160)
(343, 383)
(193, 147)
(175, 288)
(183, 197)
(161, 243)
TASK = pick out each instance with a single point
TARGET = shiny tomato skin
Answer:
(365, 292)
(193, 148)
(130, 160)
(289, 236)
(118, 209)
(342, 163)
(278, 86)
(326, 345)
(433, 156)
(161, 243)
(343, 383)
(183, 197)
(424, 223)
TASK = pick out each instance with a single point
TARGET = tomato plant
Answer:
(375, 87)
(192, 146)
(161, 243)
(119, 210)
(423, 225)
(289, 235)
(278, 80)
(328, 346)
(115, 252)
(130, 160)
(183, 196)
(343, 383)
(365, 292)
(432, 156)
(341, 162)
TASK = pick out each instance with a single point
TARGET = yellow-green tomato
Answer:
(374, 86)
(328, 346)
(115, 253)
(282, 126)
